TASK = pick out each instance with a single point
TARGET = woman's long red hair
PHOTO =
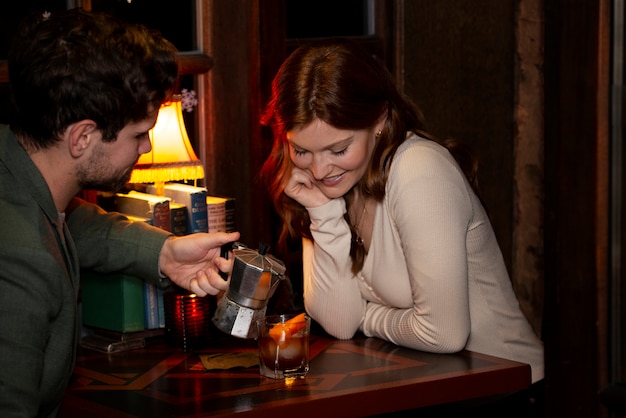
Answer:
(338, 82)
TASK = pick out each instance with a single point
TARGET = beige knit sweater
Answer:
(434, 278)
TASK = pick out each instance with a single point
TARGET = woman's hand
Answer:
(301, 187)
(193, 261)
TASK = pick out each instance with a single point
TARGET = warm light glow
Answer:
(172, 157)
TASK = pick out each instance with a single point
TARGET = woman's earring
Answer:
(378, 134)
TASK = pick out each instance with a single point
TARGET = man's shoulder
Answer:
(15, 198)
(22, 222)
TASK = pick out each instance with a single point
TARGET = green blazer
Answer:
(41, 257)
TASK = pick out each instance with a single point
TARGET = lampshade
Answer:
(172, 157)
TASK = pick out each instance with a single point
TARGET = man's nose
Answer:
(145, 146)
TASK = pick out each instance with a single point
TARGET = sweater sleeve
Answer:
(428, 201)
(331, 292)
(109, 242)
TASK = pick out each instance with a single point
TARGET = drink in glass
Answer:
(284, 346)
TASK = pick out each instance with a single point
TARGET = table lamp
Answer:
(172, 157)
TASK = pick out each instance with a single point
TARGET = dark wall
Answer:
(577, 232)
(458, 67)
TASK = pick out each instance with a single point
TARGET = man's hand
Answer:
(193, 261)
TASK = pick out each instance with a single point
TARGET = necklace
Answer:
(356, 226)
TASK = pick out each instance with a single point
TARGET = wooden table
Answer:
(359, 377)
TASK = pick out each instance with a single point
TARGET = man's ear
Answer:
(81, 135)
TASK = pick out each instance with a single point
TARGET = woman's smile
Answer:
(332, 181)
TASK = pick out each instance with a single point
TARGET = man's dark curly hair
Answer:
(76, 65)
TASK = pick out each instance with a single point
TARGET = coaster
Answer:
(229, 360)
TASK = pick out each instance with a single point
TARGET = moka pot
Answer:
(254, 279)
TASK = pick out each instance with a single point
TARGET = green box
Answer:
(112, 301)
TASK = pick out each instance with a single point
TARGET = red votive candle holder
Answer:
(187, 320)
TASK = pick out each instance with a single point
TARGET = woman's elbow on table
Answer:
(451, 345)
(338, 327)
(439, 339)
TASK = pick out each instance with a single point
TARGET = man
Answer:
(86, 91)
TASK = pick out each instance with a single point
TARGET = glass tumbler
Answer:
(284, 346)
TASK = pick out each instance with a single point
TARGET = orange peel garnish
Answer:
(281, 333)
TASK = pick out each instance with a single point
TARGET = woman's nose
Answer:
(320, 167)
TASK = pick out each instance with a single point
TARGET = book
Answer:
(106, 200)
(178, 218)
(89, 195)
(151, 306)
(216, 213)
(194, 198)
(221, 213)
(112, 301)
(154, 309)
(157, 208)
(161, 308)
(231, 224)
(145, 205)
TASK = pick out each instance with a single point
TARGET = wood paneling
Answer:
(233, 147)
(576, 214)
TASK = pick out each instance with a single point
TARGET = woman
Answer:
(396, 243)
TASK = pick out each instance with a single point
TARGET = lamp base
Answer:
(159, 188)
